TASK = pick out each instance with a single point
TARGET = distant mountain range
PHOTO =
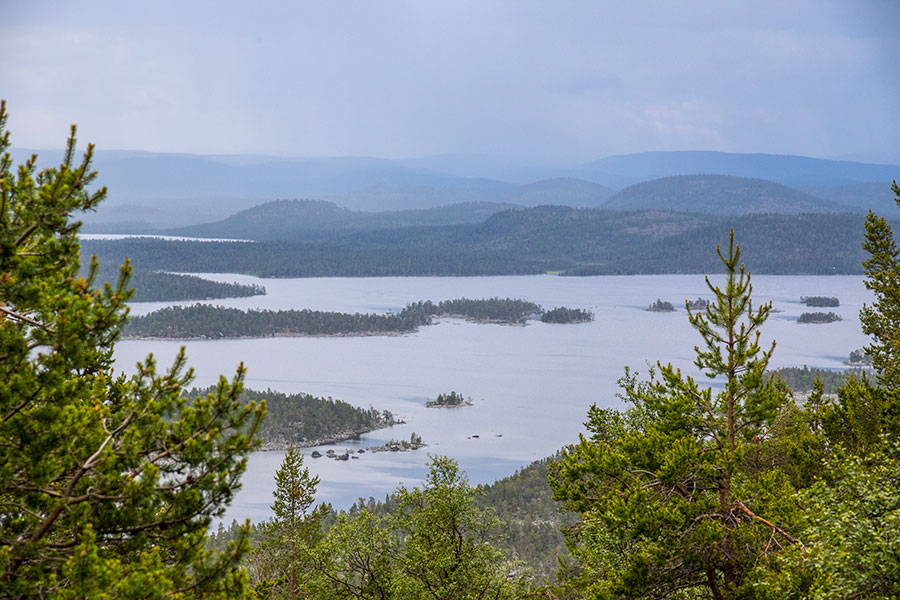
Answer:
(153, 191)
(794, 171)
(720, 195)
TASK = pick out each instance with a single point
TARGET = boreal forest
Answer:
(773, 484)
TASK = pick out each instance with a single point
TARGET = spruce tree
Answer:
(107, 482)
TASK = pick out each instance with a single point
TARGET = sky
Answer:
(552, 83)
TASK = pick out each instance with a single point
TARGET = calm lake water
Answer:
(532, 385)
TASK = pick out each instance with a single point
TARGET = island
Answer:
(563, 315)
(859, 358)
(698, 304)
(449, 400)
(820, 301)
(415, 442)
(818, 317)
(661, 306)
(204, 321)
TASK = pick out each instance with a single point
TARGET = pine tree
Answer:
(107, 482)
(283, 559)
(671, 492)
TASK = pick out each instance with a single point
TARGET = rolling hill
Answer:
(320, 220)
(720, 195)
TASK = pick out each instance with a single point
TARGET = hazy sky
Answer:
(552, 82)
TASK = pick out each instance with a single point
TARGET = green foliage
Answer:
(820, 301)
(436, 545)
(852, 533)
(107, 483)
(672, 493)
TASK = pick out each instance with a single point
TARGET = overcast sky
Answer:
(552, 82)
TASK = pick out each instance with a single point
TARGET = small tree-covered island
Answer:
(820, 301)
(109, 483)
(660, 305)
(818, 317)
(449, 400)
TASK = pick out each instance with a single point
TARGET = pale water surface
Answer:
(532, 385)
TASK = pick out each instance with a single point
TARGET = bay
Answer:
(532, 385)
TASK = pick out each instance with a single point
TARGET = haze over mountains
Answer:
(156, 192)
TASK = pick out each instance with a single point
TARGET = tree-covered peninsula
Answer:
(203, 321)
(305, 420)
(160, 286)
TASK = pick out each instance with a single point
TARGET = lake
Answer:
(531, 385)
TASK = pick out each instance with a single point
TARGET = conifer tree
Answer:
(107, 482)
(283, 559)
(671, 494)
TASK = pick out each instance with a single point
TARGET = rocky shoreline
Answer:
(392, 446)
(335, 438)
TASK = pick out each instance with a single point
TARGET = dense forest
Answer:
(304, 420)
(215, 322)
(524, 241)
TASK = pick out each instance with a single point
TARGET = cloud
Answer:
(564, 81)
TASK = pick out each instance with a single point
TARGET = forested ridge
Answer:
(524, 241)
